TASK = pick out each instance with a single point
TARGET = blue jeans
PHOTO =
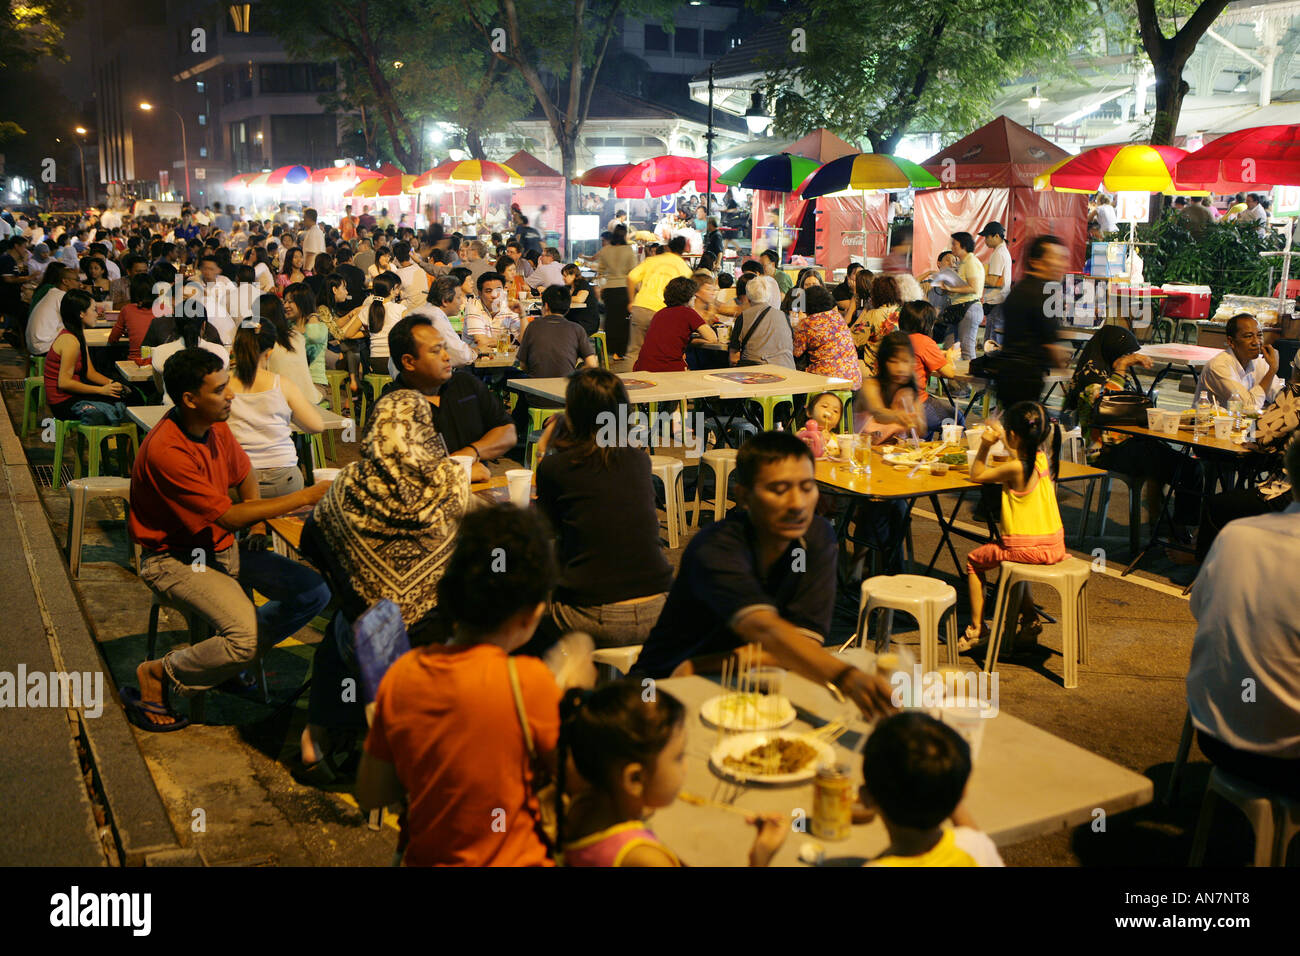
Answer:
(294, 593)
(968, 329)
(90, 412)
(993, 322)
(938, 411)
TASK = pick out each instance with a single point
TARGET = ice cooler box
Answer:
(1187, 302)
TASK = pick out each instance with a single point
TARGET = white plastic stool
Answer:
(928, 600)
(80, 493)
(1274, 818)
(722, 462)
(615, 662)
(1070, 579)
(669, 470)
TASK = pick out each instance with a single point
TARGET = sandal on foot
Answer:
(968, 641)
(138, 709)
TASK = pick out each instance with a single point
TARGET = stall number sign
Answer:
(1133, 207)
(1286, 201)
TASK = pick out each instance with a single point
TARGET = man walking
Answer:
(997, 278)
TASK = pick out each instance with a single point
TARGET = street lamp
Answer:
(185, 151)
(756, 118)
(81, 131)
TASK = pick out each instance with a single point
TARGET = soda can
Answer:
(832, 803)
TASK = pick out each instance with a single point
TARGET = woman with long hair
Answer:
(265, 409)
(613, 263)
(97, 281)
(877, 322)
(345, 328)
(383, 262)
(380, 312)
(256, 257)
(188, 332)
(292, 270)
(613, 575)
(289, 355)
(74, 388)
(308, 331)
(892, 397)
(583, 307)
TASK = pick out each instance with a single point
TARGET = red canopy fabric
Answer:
(542, 198)
(1000, 153)
(665, 175)
(1247, 159)
(603, 177)
(821, 145)
(527, 165)
(389, 170)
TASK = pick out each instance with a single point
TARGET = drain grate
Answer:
(44, 475)
(12, 385)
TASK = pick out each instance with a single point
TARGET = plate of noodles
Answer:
(776, 757)
(740, 711)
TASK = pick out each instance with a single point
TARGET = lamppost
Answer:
(756, 121)
(185, 151)
(81, 133)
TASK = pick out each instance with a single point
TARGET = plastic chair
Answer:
(1187, 331)
(601, 345)
(95, 436)
(928, 600)
(81, 491)
(372, 385)
(1164, 330)
(537, 419)
(33, 402)
(1070, 579)
(669, 470)
(1274, 817)
(1180, 760)
(1134, 483)
(769, 404)
(615, 662)
(722, 462)
(340, 394)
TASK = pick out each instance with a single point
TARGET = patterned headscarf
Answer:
(391, 518)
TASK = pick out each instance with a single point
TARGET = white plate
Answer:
(741, 744)
(763, 713)
(897, 458)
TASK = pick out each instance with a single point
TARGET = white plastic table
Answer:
(1026, 782)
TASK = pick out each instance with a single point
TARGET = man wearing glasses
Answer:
(1246, 369)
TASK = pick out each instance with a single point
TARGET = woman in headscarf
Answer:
(385, 529)
(1102, 367)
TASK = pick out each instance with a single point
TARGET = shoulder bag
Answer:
(758, 319)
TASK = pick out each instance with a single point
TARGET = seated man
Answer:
(489, 315)
(465, 412)
(183, 519)
(1243, 685)
(1246, 369)
(552, 345)
(549, 270)
(446, 298)
(765, 575)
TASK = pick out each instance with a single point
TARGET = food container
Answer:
(1186, 302)
(938, 468)
(952, 434)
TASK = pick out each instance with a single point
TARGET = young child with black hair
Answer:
(631, 754)
(914, 772)
(1032, 532)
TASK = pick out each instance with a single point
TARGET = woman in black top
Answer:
(600, 501)
(587, 312)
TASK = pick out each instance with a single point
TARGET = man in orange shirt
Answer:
(348, 225)
(448, 728)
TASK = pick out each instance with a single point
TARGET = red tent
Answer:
(835, 215)
(988, 176)
(543, 187)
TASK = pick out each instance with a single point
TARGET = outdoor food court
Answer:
(924, 519)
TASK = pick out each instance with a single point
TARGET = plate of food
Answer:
(776, 757)
(748, 711)
(927, 451)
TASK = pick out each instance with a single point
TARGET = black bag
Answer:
(1121, 408)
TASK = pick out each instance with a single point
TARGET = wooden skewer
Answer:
(693, 798)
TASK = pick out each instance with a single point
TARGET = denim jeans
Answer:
(968, 329)
(938, 411)
(610, 625)
(993, 322)
(241, 632)
(90, 412)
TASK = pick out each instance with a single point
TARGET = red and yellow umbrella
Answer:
(391, 186)
(468, 171)
(351, 171)
(1136, 168)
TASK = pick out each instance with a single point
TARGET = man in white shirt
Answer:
(45, 323)
(313, 239)
(219, 296)
(110, 219)
(446, 292)
(997, 278)
(1246, 369)
(488, 316)
(549, 271)
(1243, 684)
(1106, 215)
(969, 293)
(415, 281)
(1254, 214)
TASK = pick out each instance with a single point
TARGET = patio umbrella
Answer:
(665, 175)
(782, 173)
(235, 182)
(257, 180)
(350, 171)
(1247, 158)
(468, 171)
(292, 175)
(864, 171)
(603, 177)
(1135, 168)
(390, 186)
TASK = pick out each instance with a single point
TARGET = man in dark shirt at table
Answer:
(468, 416)
(766, 576)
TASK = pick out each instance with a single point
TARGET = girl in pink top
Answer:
(632, 758)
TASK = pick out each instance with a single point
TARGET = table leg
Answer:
(1167, 497)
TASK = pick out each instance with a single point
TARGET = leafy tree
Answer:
(30, 29)
(1169, 54)
(873, 71)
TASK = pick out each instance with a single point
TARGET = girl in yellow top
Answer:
(1031, 519)
(631, 754)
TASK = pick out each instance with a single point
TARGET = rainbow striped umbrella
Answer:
(782, 173)
(863, 171)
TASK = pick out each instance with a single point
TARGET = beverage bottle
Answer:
(1202, 420)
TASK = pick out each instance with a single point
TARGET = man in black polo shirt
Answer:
(764, 576)
(468, 416)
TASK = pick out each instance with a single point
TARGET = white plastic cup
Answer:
(969, 722)
(970, 459)
(973, 437)
(466, 462)
(952, 434)
(1223, 427)
(1154, 418)
(1171, 422)
(325, 474)
(520, 482)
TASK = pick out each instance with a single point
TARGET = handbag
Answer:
(749, 334)
(547, 822)
(1120, 408)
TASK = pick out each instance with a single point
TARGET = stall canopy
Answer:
(839, 214)
(988, 176)
(542, 195)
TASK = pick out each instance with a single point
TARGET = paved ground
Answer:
(229, 795)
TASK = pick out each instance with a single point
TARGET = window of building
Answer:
(296, 77)
(200, 86)
(686, 41)
(203, 152)
(203, 119)
(656, 39)
(715, 42)
(310, 139)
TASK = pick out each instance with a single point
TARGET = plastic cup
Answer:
(1223, 427)
(466, 462)
(970, 459)
(952, 434)
(969, 722)
(1154, 418)
(325, 474)
(520, 483)
(846, 443)
(1171, 422)
(973, 437)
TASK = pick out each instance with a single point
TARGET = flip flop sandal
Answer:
(137, 709)
(966, 642)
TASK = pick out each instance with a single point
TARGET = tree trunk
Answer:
(1170, 90)
(572, 193)
(474, 143)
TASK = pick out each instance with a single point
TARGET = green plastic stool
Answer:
(599, 343)
(95, 436)
(337, 379)
(768, 403)
(375, 383)
(318, 451)
(846, 417)
(33, 402)
(537, 418)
